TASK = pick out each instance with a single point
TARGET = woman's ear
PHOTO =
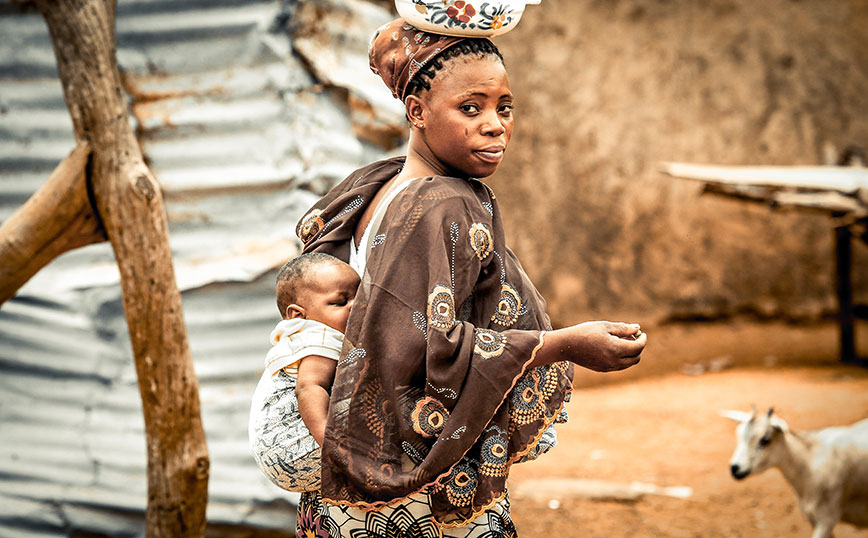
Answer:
(415, 111)
(294, 311)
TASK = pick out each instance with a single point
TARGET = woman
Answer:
(450, 371)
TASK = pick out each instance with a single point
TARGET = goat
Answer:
(827, 468)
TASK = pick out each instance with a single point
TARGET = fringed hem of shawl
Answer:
(368, 507)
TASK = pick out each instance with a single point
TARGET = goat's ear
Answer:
(738, 416)
(779, 424)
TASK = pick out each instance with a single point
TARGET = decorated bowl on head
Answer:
(471, 18)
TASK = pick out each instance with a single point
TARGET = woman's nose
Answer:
(492, 125)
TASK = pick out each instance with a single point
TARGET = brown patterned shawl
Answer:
(431, 388)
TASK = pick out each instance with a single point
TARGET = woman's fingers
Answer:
(623, 330)
(634, 348)
(602, 346)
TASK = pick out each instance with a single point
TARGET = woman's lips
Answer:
(490, 155)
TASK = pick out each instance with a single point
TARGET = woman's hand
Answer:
(602, 346)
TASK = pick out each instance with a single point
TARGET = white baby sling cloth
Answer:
(359, 255)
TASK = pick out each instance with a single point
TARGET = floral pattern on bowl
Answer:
(463, 17)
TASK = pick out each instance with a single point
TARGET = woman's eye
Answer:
(506, 109)
(469, 109)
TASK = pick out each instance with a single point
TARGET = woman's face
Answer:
(468, 115)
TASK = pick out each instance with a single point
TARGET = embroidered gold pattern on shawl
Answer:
(461, 485)
(508, 307)
(494, 453)
(480, 240)
(429, 417)
(311, 226)
(441, 308)
(531, 392)
(489, 344)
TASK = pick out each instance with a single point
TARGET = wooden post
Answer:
(844, 287)
(58, 218)
(130, 204)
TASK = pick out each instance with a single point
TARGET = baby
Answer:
(290, 404)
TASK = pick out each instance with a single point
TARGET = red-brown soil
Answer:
(664, 428)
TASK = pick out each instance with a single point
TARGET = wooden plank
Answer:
(843, 179)
(831, 201)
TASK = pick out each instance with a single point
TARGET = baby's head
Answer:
(318, 287)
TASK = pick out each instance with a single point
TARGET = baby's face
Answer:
(331, 294)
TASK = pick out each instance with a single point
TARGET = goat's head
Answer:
(758, 438)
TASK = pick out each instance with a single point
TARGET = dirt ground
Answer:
(664, 429)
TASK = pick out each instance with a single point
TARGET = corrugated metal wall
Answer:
(246, 111)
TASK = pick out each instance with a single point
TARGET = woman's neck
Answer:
(421, 161)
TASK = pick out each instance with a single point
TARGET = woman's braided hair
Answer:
(421, 81)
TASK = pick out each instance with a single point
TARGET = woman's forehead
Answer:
(472, 74)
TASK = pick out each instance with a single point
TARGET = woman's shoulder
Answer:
(364, 178)
(347, 195)
(451, 194)
(376, 172)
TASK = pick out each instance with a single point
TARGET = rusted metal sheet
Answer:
(244, 131)
(332, 37)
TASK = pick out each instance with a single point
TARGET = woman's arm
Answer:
(315, 377)
(602, 346)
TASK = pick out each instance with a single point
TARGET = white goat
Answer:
(827, 468)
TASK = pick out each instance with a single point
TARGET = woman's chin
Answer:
(477, 171)
(485, 173)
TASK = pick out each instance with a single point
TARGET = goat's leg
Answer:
(823, 529)
(822, 506)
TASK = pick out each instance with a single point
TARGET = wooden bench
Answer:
(841, 191)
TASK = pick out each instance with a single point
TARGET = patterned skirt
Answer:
(409, 519)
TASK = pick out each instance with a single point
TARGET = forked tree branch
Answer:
(57, 218)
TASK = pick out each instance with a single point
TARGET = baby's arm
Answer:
(315, 377)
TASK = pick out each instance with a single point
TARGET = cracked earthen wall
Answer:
(606, 90)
